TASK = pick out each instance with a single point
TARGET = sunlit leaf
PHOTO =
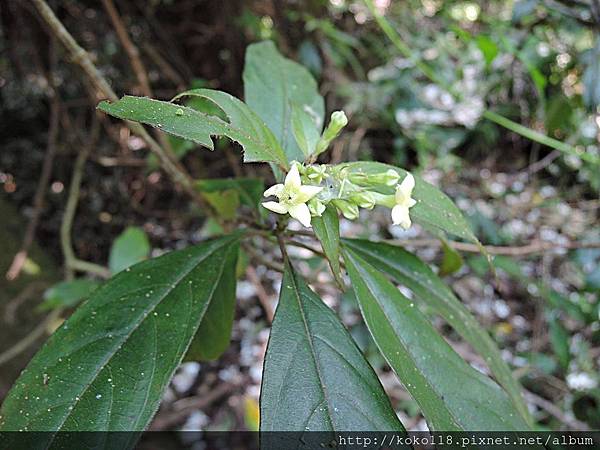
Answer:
(272, 84)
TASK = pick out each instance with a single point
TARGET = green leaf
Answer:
(244, 127)
(67, 294)
(451, 260)
(315, 377)
(305, 130)
(451, 394)
(106, 368)
(488, 47)
(250, 190)
(226, 195)
(559, 340)
(408, 270)
(433, 209)
(272, 84)
(130, 247)
(241, 116)
(225, 203)
(214, 334)
(327, 230)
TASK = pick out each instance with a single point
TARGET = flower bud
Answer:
(364, 200)
(388, 178)
(337, 122)
(316, 172)
(338, 119)
(349, 210)
(384, 200)
(316, 207)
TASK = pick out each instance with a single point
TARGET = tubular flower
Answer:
(293, 197)
(400, 215)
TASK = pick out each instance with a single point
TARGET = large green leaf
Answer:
(315, 377)
(408, 270)
(273, 87)
(434, 209)
(105, 369)
(305, 130)
(214, 334)
(130, 247)
(451, 394)
(244, 127)
(327, 230)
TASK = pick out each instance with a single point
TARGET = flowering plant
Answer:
(106, 367)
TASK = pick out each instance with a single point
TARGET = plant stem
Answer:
(72, 200)
(136, 62)
(132, 51)
(524, 250)
(38, 199)
(81, 58)
(72, 263)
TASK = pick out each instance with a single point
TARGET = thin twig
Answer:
(262, 260)
(164, 66)
(10, 311)
(263, 297)
(86, 266)
(543, 163)
(305, 246)
(30, 339)
(136, 62)
(38, 199)
(132, 51)
(171, 418)
(72, 200)
(555, 411)
(81, 58)
(524, 250)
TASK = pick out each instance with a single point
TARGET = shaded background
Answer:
(537, 62)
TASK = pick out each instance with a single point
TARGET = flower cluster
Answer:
(307, 190)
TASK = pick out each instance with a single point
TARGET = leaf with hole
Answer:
(244, 126)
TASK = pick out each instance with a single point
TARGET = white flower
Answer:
(400, 215)
(292, 197)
